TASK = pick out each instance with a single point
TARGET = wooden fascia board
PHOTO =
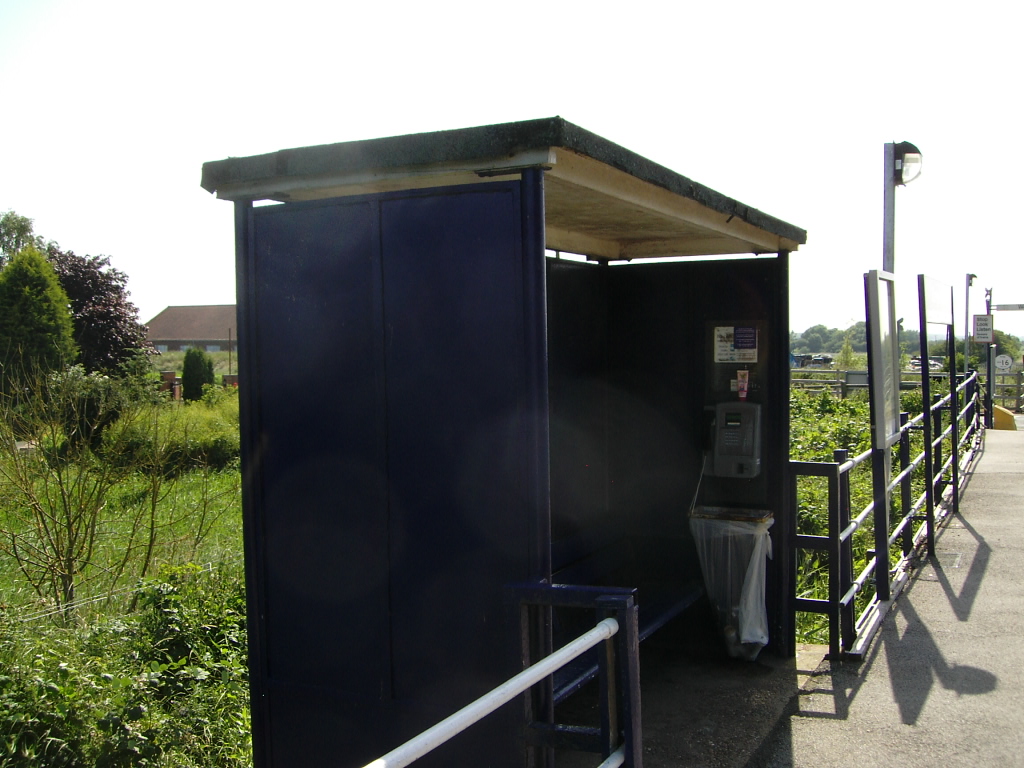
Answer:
(559, 239)
(702, 246)
(590, 173)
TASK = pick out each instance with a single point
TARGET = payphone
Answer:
(733, 437)
(736, 440)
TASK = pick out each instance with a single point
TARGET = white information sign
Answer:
(883, 356)
(984, 330)
(1003, 362)
(735, 344)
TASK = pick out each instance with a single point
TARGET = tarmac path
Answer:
(943, 682)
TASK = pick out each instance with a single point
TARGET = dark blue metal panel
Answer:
(320, 472)
(394, 471)
(248, 405)
(661, 377)
(458, 442)
(578, 344)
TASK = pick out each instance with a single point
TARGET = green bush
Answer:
(196, 371)
(166, 686)
(35, 324)
(173, 438)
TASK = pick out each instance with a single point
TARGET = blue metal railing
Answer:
(943, 421)
(618, 739)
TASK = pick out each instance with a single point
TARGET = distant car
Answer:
(934, 363)
(800, 361)
(822, 360)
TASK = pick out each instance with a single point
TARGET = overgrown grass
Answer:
(80, 522)
(144, 662)
(163, 686)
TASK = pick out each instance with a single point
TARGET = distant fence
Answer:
(1008, 390)
(842, 383)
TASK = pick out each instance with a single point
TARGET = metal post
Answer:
(989, 378)
(906, 494)
(626, 674)
(934, 472)
(954, 421)
(889, 209)
(538, 472)
(967, 323)
(880, 467)
(990, 366)
(836, 584)
(927, 401)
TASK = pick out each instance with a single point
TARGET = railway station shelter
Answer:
(479, 358)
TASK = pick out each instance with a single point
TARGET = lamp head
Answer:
(908, 162)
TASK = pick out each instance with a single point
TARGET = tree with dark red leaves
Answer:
(106, 324)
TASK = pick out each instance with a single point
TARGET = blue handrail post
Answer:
(906, 491)
(880, 483)
(934, 470)
(848, 610)
(836, 582)
(622, 655)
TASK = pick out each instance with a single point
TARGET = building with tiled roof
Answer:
(210, 327)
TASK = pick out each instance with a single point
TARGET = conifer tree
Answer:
(196, 370)
(35, 321)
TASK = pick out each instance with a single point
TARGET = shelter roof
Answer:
(601, 200)
(209, 322)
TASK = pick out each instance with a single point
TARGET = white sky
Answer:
(112, 107)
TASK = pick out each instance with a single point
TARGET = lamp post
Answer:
(967, 324)
(902, 166)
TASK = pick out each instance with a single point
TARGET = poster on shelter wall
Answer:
(735, 344)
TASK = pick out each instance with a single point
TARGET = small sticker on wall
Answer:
(735, 344)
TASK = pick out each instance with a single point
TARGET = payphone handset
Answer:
(736, 440)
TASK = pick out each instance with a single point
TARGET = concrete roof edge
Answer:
(482, 142)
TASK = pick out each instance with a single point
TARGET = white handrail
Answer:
(455, 724)
(615, 759)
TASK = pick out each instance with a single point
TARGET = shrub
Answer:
(164, 687)
(171, 439)
(35, 324)
(196, 370)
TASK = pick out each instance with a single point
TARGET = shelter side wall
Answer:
(578, 405)
(655, 373)
(458, 442)
(319, 477)
(386, 493)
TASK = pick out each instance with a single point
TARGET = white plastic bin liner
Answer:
(733, 556)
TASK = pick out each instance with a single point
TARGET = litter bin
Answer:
(733, 545)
